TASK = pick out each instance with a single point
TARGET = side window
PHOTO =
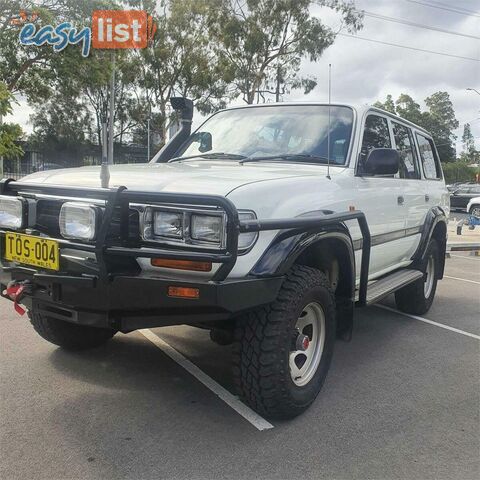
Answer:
(406, 149)
(431, 168)
(375, 135)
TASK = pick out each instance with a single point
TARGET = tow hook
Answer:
(16, 291)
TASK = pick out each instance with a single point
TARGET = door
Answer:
(382, 199)
(460, 197)
(417, 200)
(432, 172)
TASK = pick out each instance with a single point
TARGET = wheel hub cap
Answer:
(308, 348)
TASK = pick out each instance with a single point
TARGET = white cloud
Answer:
(363, 72)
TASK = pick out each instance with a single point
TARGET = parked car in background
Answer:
(473, 207)
(460, 197)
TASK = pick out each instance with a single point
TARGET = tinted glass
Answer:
(431, 168)
(277, 130)
(375, 135)
(406, 149)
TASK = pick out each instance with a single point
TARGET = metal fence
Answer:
(33, 161)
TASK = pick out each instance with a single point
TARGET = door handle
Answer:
(400, 200)
(427, 197)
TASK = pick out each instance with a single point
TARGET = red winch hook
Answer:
(15, 291)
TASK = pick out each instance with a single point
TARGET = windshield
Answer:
(266, 131)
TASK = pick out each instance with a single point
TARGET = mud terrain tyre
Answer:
(273, 372)
(69, 335)
(417, 298)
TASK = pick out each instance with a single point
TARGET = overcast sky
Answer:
(363, 71)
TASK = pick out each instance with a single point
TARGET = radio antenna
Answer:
(329, 119)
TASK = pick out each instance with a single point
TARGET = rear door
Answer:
(416, 198)
(436, 191)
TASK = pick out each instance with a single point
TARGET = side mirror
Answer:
(382, 161)
(205, 141)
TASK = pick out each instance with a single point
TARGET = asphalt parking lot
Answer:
(401, 401)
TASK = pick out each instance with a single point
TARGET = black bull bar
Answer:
(121, 198)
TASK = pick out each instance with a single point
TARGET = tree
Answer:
(9, 132)
(181, 60)
(439, 119)
(60, 139)
(388, 105)
(441, 123)
(470, 154)
(261, 43)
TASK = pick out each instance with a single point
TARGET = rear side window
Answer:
(375, 135)
(431, 167)
(406, 149)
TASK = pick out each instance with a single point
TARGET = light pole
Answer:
(473, 90)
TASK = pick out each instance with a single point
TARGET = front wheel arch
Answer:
(334, 257)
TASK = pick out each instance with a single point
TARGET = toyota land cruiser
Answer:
(268, 225)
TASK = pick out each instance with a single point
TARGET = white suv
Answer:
(267, 226)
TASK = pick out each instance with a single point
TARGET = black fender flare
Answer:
(288, 245)
(435, 216)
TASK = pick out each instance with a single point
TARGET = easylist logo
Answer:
(111, 29)
(121, 29)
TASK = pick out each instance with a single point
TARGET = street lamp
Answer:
(473, 90)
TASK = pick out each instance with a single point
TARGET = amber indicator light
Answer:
(183, 292)
(182, 264)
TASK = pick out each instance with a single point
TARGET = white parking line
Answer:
(431, 322)
(461, 279)
(233, 402)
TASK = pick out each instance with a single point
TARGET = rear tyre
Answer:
(69, 335)
(417, 298)
(283, 351)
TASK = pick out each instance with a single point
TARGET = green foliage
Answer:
(439, 119)
(9, 132)
(62, 140)
(470, 154)
(260, 43)
(459, 172)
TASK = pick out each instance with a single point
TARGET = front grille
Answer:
(48, 213)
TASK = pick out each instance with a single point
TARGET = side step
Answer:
(386, 285)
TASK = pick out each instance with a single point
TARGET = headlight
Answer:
(208, 228)
(163, 223)
(79, 221)
(12, 212)
(246, 240)
(168, 224)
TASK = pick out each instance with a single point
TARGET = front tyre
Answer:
(283, 351)
(417, 298)
(69, 336)
(475, 210)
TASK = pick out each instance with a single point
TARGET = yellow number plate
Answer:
(36, 251)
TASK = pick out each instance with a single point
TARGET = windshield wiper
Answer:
(291, 156)
(211, 156)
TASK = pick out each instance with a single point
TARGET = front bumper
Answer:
(128, 303)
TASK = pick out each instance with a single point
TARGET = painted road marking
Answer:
(431, 322)
(233, 402)
(461, 279)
